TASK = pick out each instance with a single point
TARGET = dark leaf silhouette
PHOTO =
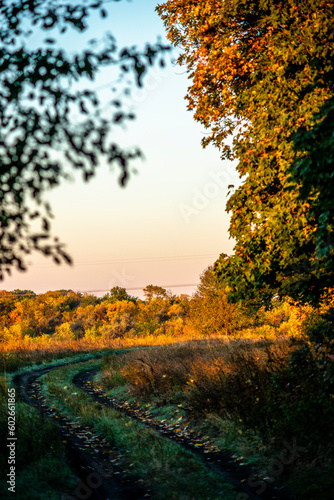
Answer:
(48, 126)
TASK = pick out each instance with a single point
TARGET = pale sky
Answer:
(169, 223)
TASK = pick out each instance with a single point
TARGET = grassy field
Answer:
(166, 468)
(245, 397)
(264, 394)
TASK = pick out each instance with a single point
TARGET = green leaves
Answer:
(313, 169)
(262, 72)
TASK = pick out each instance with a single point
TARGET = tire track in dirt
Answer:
(241, 476)
(98, 466)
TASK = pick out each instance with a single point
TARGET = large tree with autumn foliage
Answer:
(261, 77)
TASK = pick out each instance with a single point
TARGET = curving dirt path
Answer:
(246, 480)
(98, 467)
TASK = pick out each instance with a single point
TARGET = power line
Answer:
(133, 261)
(178, 285)
(142, 287)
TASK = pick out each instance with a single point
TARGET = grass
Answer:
(248, 393)
(17, 353)
(168, 469)
(42, 472)
(248, 396)
(35, 355)
(174, 381)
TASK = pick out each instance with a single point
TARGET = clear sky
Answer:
(169, 223)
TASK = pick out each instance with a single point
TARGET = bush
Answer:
(304, 405)
(238, 387)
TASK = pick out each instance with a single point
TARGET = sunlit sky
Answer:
(169, 223)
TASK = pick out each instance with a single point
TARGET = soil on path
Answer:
(98, 467)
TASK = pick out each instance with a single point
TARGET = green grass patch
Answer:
(31, 366)
(41, 469)
(167, 468)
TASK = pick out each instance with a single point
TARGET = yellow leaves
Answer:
(196, 9)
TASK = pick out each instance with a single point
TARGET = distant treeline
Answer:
(69, 315)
